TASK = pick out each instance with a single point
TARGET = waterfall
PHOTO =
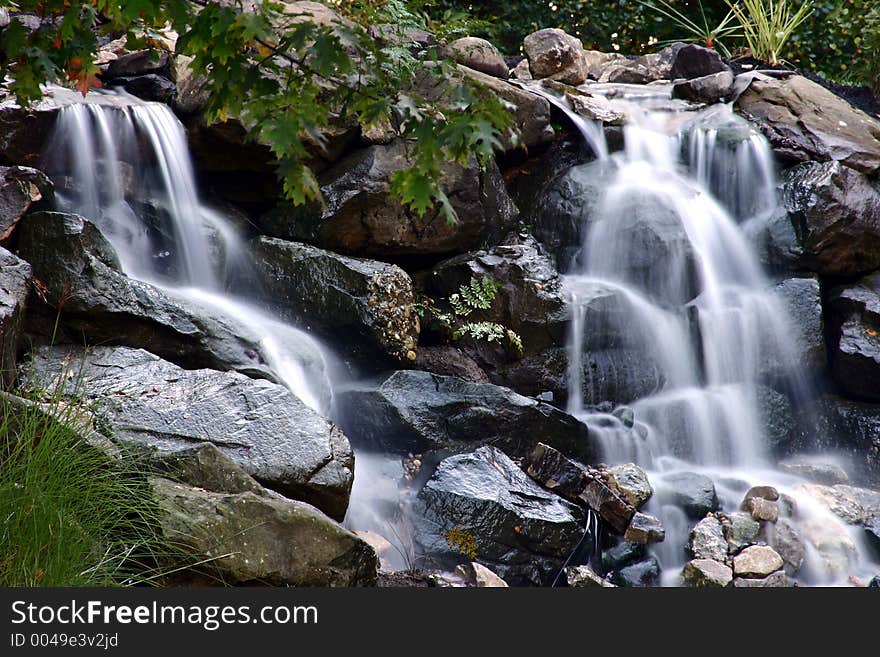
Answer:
(124, 164)
(666, 272)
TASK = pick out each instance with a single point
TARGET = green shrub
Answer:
(768, 24)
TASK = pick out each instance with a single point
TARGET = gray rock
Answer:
(803, 298)
(690, 61)
(777, 580)
(632, 483)
(645, 528)
(639, 575)
(479, 576)
(836, 549)
(360, 215)
(805, 121)
(479, 55)
(413, 411)
(24, 132)
(21, 188)
(554, 54)
(849, 503)
(15, 283)
(597, 62)
(521, 531)
(623, 554)
(206, 466)
(835, 212)
(707, 89)
(701, 573)
(855, 331)
(757, 561)
(777, 417)
(583, 577)
(140, 62)
(192, 92)
(784, 538)
(248, 538)
(707, 540)
(693, 493)
(81, 273)
(741, 530)
(364, 305)
(763, 492)
(145, 401)
(762, 510)
(872, 533)
(152, 87)
(449, 360)
(829, 474)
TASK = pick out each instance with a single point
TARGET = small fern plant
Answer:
(476, 295)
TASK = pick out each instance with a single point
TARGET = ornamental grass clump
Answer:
(768, 24)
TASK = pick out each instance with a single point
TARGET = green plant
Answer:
(869, 69)
(706, 32)
(476, 295)
(768, 24)
(70, 513)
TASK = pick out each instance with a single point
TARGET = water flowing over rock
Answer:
(803, 298)
(412, 411)
(15, 282)
(519, 530)
(250, 538)
(805, 121)
(364, 305)
(361, 217)
(143, 400)
(479, 55)
(554, 54)
(836, 214)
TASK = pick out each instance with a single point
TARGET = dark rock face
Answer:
(361, 216)
(152, 87)
(706, 89)
(261, 426)
(15, 282)
(250, 538)
(639, 575)
(690, 61)
(413, 411)
(805, 121)
(521, 531)
(21, 188)
(448, 360)
(836, 214)
(777, 418)
(623, 554)
(855, 355)
(803, 299)
(365, 305)
(24, 132)
(103, 306)
(694, 493)
(141, 62)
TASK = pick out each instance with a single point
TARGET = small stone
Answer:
(762, 492)
(757, 561)
(762, 510)
(644, 528)
(706, 573)
(631, 483)
(642, 574)
(776, 580)
(582, 577)
(479, 576)
(622, 555)
(707, 540)
(741, 530)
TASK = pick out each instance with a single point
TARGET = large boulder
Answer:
(364, 305)
(855, 337)
(253, 538)
(806, 122)
(21, 188)
(693, 493)
(361, 216)
(554, 54)
(142, 400)
(483, 503)
(479, 55)
(413, 411)
(82, 278)
(835, 211)
(15, 282)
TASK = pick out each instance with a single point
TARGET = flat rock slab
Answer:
(757, 561)
(144, 400)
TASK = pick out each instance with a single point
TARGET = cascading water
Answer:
(125, 165)
(667, 276)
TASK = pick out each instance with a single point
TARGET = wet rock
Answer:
(448, 360)
(360, 215)
(413, 411)
(694, 493)
(24, 132)
(690, 61)
(141, 400)
(707, 89)
(701, 573)
(835, 212)
(597, 62)
(583, 577)
(631, 483)
(838, 553)
(828, 474)
(872, 532)
(645, 528)
(521, 531)
(248, 538)
(81, 273)
(554, 54)
(740, 530)
(381, 545)
(364, 305)
(479, 55)
(152, 87)
(15, 282)
(707, 540)
(205, 466)
(855, 324)
(595, 108)
(776, 580)
(622, 554)
(639, 575)
(757, 561)
(628, 71)
(530, 299)
(784, 538)
(762, 492)
(141, 62)
(805, 121)
(21, 189)
(850, 504)
(777, 243)
(479, 576)
(803, 298)
(777, 417)
(761, 510)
